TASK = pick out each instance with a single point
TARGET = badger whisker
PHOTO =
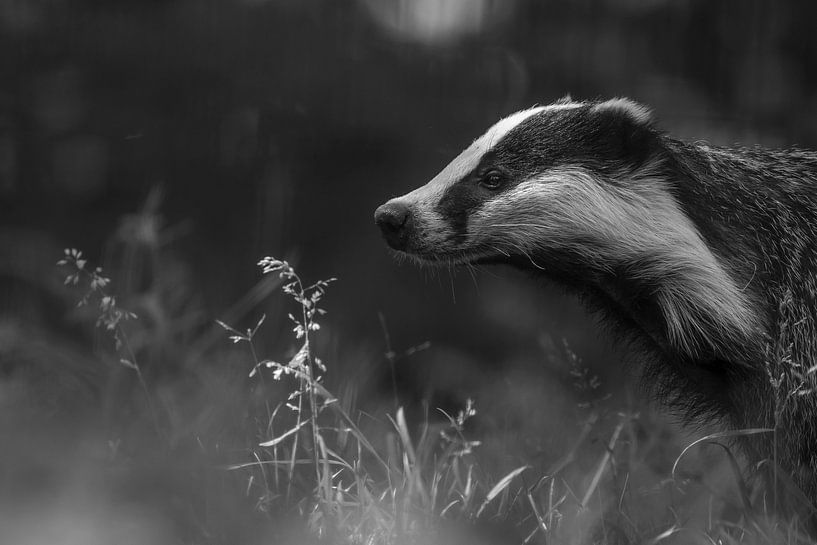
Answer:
(527, 255)
(500, 250)
(472, 272)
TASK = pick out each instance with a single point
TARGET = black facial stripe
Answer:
(605, 142)
(466, 196)
(459, 201)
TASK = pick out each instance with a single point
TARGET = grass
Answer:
(342, 477)
(167, 432)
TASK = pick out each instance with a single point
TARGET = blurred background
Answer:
(176, 142)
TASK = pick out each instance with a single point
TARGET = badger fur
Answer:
(702, 258)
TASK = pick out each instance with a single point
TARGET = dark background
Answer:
(276, 128)
(177, 142)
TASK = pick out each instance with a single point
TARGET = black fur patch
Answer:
(459, 202)
(606, 141)
(467, 195)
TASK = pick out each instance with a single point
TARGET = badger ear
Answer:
(626, 130)
(626, 109)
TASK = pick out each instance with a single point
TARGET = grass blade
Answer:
(500, 486)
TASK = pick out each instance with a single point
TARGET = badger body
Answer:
(700, 258)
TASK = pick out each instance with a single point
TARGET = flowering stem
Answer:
(303, 365)
(111, 316)
(313, 405)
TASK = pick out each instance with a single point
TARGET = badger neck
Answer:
(757, 210)
(660, 313)
(647, 263)
(699, 378)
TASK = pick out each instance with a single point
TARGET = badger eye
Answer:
(493, 179)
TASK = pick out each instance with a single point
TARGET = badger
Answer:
(702, 259)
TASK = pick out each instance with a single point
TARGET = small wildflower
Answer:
(110, 314)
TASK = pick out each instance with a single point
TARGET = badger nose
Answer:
(391, 216)
(393, 219)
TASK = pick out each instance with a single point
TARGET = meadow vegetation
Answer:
(235, 446)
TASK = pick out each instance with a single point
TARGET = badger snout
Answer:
(394, 220)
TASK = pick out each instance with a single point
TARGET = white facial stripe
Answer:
(564, 106)
(466, 161)
(643, 221)
(504, 126)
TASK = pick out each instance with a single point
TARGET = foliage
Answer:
(411, 489)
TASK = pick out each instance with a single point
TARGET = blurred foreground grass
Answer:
(221, 444)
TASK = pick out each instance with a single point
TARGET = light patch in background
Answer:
(437, 21)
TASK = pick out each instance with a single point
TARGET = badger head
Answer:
(539, 181)
(582, 192)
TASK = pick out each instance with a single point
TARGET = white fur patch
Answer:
(504, 126)
(563, 106)
(635, 111)
(641, 224)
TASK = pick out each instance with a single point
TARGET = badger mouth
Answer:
(438, 259)
(452, 257)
